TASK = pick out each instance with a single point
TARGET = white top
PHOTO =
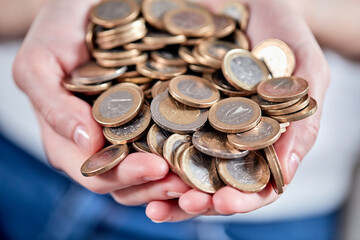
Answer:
(322, 180)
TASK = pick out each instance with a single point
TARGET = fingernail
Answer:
(293, 164)
(161, 221)
(174, 194)
(149, 179)
(81, 138)
(197, 213)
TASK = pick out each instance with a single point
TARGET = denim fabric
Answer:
(36, 202)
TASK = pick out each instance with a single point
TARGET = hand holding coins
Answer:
(195, 59)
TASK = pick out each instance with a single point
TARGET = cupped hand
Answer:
(268, 19)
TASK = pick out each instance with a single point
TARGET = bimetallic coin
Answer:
(91, 73)
(234, 115)
(167, 58)
(176, 117)
(131, 131)
(304, 113)
(171, 145)
(159, 71)
(266, 105)
(200, 170)
(122, 62)
(115, 53)
(156, 138)
(215, 49)
(118, 105)
(186, 54)
(141, 46)
(264, 134)
(89, 37)
(201, 69)
(159, 87)
(123, 39)
(215, 144)
(283, 89)
(193, 91)
(241, 40)
(304, 101)
(277, 55)
(204, 60)
(136, 80)
(163, 38)
(178, 153)
(224, 25)
(277, 180)
(191, 22)
(243, 70)
(141, 146)
(93, 89)
(105, 32)
(104, 160)
(248, 174)
(154, 10)
(219, 81)
(110, 13)
(238, 11)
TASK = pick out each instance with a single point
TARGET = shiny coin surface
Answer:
(277, 179)
(277, 55)
(283, 89)
(110, 13)
(163, 38)
(215, 49)
(262, 135)
(186, 54)
(224, 25)
(249, 174)
(167, 58)
(159, 71)
(200, 170)
(215, 144)
(243, 70)
(91, 73)
(156, 138)
(118, 105)
(238, 11)
(104, 160)
(131, 131)
(93, 89)
(105, 32)
(266, 105)
(136, 80)
(191, 22)
(178, 153)
(159, 87)
(234, 115)
(304, 101)
(219, 81)
(201, 69)
(141, 46)
(115, 53)
(241, 40)
(193, 91)
(176, 117)
(304, 113)
(122, 62)
(141, 146)
(171, 145)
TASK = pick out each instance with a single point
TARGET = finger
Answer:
(168, 188)
(195, 202)
(166, 211)
(136, 168)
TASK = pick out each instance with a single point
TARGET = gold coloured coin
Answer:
(201, 69)
(224, 25)
(122, 62)
(110, 13)
(136, 80)
(125, 38)
(130, 131)
(219, 81)
(156, 138)
(200, 170)
(186, 54)
(248, 174)
(115, 53)
(234, 115)
(178, 153)
(176, 117)
(118, 105)
(238, 11)
(241, 40)
(171, 145)
(206, 61)
(142, 46)
(159, 87)
(283, 89)
(243, 70)
(193, 91)
(155, 70)
(191, 22)
(163, 38)
(262, 135)
(266, 105)
(141, 146)
(304, 101)
(104, 32)
(104, 160)
(167, 58)
(302, 114)
(215, 49)
(277, 180)
(73, 86)
(277, 55)
(89, 37)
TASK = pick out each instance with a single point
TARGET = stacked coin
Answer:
(188, 89)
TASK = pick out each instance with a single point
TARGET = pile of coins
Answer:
(187, 88)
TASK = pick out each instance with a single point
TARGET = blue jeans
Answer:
(38, 203)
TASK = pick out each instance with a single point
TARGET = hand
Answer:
(267, 19)
(54, 46)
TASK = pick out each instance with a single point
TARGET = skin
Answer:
(55, 45)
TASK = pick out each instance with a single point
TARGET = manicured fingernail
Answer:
(161, 221)
(174, 194)
(81, 138)
(293, 164)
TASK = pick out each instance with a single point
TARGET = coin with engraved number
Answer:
(277, 180)
(141, 146)
(277, 55)
(234, 115)
(266, 105)
(176, 117)
(304, 101)
(104, 160)
(262, 135)
(131, 131)
(224, 25)
(193, 91)
(159, 71)
(283, 89)
(215, 144)
(200, 170)
(302, 114)
(171, 145)
(118, 105)
(110, 13)
(243, 70)
(248, 174)
(156, 138)
(238, 11)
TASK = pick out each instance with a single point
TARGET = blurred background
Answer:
(327, 181)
